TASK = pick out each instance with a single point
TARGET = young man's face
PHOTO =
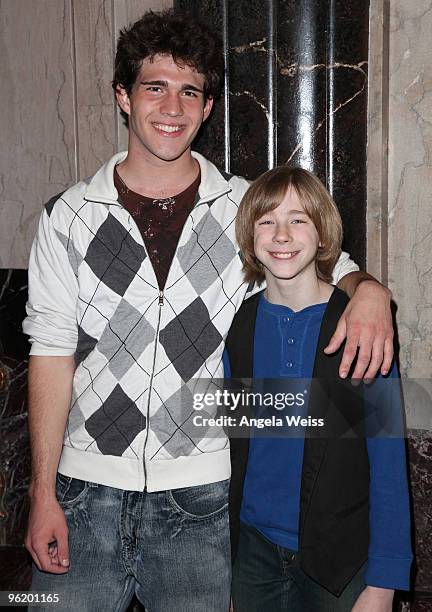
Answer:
(286, 241)
(166, 109)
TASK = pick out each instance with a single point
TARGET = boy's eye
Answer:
(298, 221)
(265, 222)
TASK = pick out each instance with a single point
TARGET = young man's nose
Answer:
(171, 105)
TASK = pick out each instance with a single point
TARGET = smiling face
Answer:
(166, 108)
(286, 241)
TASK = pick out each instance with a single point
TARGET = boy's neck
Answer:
(299, 292)
(157, 178)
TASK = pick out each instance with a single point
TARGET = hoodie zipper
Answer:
(160, 304)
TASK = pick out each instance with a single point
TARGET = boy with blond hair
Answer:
(319, 523)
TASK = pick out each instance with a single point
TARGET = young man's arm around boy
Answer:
(366, 325)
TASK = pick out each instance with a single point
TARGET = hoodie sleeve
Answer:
(51, 322)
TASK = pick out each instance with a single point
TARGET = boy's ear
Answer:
(122, 98)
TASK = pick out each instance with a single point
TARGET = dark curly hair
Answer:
(189, 42)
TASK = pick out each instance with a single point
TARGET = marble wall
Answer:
(14, 448)
(410, 181)
(296, 92)
(59, 121)
(400, 232)
(410, 238)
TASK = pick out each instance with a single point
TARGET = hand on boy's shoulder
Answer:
(367, 326)
(374, 599)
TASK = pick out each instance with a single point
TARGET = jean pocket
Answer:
(201, 502)
(70, 490)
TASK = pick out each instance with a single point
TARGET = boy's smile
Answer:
(284, 255)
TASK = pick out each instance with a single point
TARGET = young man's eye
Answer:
(190, 94)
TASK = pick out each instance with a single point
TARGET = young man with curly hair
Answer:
(135, 278)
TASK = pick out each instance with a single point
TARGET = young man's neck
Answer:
(157, 178)
(299, 292)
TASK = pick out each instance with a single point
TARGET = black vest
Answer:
(334, 499)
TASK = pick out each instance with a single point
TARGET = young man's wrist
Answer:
(373, 283)
(42, 489)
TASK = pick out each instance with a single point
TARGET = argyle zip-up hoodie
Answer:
(93, 294)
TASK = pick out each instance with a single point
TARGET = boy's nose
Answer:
(282, 234)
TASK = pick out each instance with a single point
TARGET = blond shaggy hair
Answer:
(266, 193)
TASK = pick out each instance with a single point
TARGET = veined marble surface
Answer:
(59, 121)
(410, 181)
(400, 231)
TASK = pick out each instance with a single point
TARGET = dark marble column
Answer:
(296, 92)
(420, 475)
(14, 447)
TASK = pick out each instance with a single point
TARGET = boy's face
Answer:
(286, 240)
(166, 109)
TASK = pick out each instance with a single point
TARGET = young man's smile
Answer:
(171, 131)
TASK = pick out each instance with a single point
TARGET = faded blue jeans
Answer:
(267, 577)
(170, 548)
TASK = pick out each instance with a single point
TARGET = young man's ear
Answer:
(122, 99)
(208, 105)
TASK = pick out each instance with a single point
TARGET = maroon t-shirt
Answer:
(160, 221)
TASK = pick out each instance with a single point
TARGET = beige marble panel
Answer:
(377, 142)
(37, 118)
(96, 108)
(410, 181)
(125, 13)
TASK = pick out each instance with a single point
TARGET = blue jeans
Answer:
(268, 577)
(170, 548)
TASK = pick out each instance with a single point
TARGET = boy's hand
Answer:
(374, 599)
(366, 324)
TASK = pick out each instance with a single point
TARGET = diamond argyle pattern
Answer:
(207, 253)
(116, 423)
(76, 417)
(114, 256)
(125, 338)
(190, 339)
(172, 425)
(85, 345)
(75, 257)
